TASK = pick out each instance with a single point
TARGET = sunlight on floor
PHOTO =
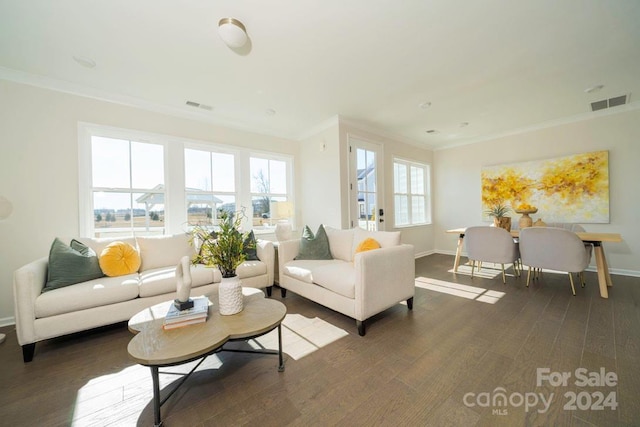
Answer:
(130, 389)
(456, 289)
(488, 270)
(301, 336)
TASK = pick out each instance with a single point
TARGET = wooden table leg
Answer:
(604, 279)
(456, 262)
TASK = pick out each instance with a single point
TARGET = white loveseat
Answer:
(107, 300)
(358, 285)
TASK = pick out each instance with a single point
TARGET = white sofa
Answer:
(358, 285)
(43, 315)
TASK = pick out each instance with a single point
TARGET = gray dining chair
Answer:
(554, 249)
(491, 244)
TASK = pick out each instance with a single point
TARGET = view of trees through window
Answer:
(268, 190)
(210, 185)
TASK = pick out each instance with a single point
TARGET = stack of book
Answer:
(196, 314)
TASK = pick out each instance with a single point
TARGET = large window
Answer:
(135, 183)
(411, 193)
(127, 187)
(270, 195)
(210, 185)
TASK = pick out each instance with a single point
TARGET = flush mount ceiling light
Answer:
(232, 32)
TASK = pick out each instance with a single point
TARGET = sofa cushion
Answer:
(250, 251)
(69, 265)
(93, 293)
(314, 246)
(119, 259)
(164, 251)
(385, 238)
(162, 280)
(339, 277)
(340, 243)
(98, 244)
(302, 269)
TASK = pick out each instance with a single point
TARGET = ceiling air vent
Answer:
(609, 103)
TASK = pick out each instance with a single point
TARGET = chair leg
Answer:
(504, 276)
(269, 290)
(582, 278)
(573, 290)
(528, 276)
(473, 264)
(410, 303)
(283, 292)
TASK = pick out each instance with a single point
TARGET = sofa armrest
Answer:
(384, 277)
(28, 282)
(266, 254)
(287, 251)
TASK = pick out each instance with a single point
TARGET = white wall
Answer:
(457, 178)
(319, 180)
(39, 165)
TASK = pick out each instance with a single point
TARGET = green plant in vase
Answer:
(499, 213)
(225, 249)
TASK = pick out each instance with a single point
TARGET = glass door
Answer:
(365, 185)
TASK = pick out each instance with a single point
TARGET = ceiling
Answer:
(487, 68)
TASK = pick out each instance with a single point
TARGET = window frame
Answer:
(237, 182)
(426, 167)
(175, 191)
(288, 195)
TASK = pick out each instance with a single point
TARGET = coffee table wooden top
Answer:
(153, 346)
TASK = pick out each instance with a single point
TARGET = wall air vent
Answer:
(609, 103)
(198, 105)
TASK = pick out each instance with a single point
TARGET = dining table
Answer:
(596, 239)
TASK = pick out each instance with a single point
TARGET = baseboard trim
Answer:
(423, 254)
(7, 321)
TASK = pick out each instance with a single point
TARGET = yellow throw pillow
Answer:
(367, 245)
(118, 259)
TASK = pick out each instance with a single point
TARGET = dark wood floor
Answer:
(433, 366)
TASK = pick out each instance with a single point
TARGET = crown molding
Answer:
(381, 132)
(320, 127)
(549, 124)
(130, 101)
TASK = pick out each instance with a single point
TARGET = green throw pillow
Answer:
(71, 264)
(250, 251)
(314, 247)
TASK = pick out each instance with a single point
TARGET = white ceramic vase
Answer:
(230, 296)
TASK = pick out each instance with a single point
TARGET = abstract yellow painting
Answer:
(564, 189)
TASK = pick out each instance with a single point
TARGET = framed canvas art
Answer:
(564, 189)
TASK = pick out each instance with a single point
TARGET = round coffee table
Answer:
(155, 347)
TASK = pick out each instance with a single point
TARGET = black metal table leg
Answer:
(281, 366)
(156, 396)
